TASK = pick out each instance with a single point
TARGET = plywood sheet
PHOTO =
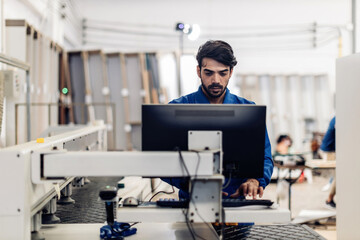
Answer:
(76, 69)
(116, 86)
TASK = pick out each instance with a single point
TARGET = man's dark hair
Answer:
(282, 137)
(218, 50)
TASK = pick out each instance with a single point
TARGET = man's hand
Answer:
(249, 188)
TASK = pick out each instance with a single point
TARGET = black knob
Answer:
(108, 193)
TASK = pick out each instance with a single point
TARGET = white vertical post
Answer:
(347, 146)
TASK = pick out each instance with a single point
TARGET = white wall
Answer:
(142, 25)
(58, 20)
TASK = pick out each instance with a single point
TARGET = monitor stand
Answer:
(206, 191)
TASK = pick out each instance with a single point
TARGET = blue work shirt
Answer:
(328, 143)
(200, 98)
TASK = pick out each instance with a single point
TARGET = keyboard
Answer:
(173, 203)
(236, 202)
(230, 202)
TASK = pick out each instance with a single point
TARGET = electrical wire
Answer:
(68, 16)
(134, 224)
(173, 191)
(190, 227)
(222, 28)
(153, 189)
(116, 23)
(312, 35)
(91, 34)
(261, 34)
(192, 187)
(186, 211)
(228, 182)
(131, 225)
(67, 13)
(222, 221)
(131, 31)
(280, 45)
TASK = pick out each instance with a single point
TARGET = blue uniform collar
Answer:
(202, 99)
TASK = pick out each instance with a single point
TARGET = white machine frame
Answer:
(24, 199)
(55, 162)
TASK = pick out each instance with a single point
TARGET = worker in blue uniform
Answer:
(328, 147)
(216, 63)
(328, 142)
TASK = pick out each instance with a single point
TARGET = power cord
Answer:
(228, 182)
(185, 212)
(196, 171)
(173, 191)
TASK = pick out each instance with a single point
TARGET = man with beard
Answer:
(216, 63)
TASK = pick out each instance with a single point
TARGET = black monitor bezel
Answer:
(246, 127)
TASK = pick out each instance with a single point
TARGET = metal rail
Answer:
(14, 62)
(84, 118)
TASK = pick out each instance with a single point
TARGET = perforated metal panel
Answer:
(278, 232)
(87, 208)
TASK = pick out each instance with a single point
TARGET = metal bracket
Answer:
(205, 204)
(204, 140)
(208, 141)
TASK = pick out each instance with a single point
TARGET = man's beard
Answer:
(207, 89)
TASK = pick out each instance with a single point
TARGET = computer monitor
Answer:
(165, 128)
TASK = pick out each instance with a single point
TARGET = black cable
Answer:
(183, 162)
(186, 211)
(134, 224)
(191, 192)
(196, 171)
(128, 227)
(153, 189)
(190, 227)
(173, 190)
(222, 222)
(228, 182)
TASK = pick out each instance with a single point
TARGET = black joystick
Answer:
(108, 194)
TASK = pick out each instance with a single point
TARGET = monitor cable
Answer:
(185, 211)
(196, 172)
(173, 191)
(228, 182)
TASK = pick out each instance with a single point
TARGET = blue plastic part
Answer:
(117, 231)
(105, 232)
(129, 232)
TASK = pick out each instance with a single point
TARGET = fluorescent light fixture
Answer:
(195, 32)
(187, 29)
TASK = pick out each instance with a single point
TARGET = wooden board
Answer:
(115, 82)
(78, 87)
(125, 94)
(88, 92)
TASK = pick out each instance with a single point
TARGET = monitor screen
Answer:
(165, 128)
